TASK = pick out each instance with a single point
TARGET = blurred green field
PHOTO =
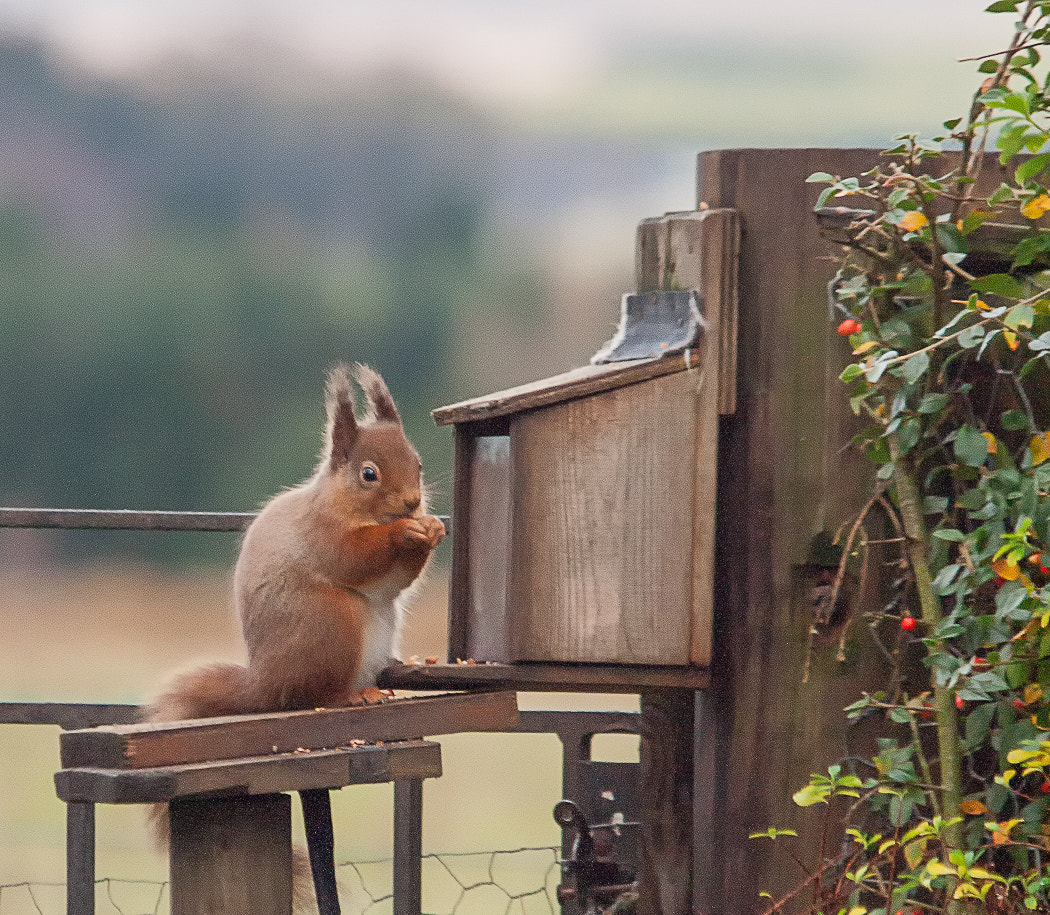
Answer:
(109, 636)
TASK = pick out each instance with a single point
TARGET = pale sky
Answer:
(498, 50)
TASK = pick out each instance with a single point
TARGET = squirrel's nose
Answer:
(412, 504)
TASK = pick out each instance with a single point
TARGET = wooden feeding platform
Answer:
(224, 778)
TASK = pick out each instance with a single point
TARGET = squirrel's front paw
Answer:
(426, 531)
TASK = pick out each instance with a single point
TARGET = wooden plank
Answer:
(459, 576)
(365, 765)
(176, 742)
(666, 846)
(67, 715)
(700, 250)
(590, 379)
(783, 477)
(408, 846)
(524, 677)
(232, 855)
(602, 570)
(80, 858)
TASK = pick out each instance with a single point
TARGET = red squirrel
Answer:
(322, 571)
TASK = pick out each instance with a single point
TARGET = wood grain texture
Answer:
(366, 765)
(602, 678)
(210, 739)
(581, 382)
(603, 525)
(783, 477)
(700, 250)
(232, 856)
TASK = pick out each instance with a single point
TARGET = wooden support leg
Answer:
(80, 858)
(408, 846)
(320, 840)
(231, 855)
(665, 885)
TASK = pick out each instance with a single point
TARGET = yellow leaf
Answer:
(982, 305)
(979, 873)
(1033, 692)
(974, 808)
(913, 221)
(1006, 569)
(991, 441)
(939, 868)
(1036, 207)
(864, 347)
(858, 910)
(1011, 339)
(1020, 756)
(1040, 448)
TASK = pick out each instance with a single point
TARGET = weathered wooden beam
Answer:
(171, 743)
(231, 855)
(584, 381)
(80, 858)
(297, 771)
(530, 676)
(67, 715)
(408, 846)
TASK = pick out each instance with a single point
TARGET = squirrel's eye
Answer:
(369, 473)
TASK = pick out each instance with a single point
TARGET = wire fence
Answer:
(517, 881)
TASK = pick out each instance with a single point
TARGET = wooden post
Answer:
(783, 477)
(696, 250)
(408, 846)
(80, 858)
(231, 855)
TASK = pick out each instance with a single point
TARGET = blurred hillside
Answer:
(176, 274)
(187, 244)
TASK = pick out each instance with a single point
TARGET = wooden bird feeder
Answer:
(584, 503)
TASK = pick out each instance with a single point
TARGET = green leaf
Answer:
(851, 373)
(1014, 420)
(1031, 167)
(934, 403)
(916, 367)
(999, 284)
(1019, 316)
(1003, 6)
(900, 715)
(810, 795)
(909, 434)
(943, 582)
(819, 177)
(949, 533)
(988, 66)
(971, 448)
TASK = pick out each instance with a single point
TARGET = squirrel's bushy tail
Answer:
(203, 692)
(212, 691)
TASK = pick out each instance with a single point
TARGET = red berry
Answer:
(908, 623)
(1045, 786)
(1019, 705)
(1044, 570)
(959, 703)
(847, 327)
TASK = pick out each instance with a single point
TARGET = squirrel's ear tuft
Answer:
(342, 424)
(378, 394)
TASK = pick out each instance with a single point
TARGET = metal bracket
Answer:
(654, 324)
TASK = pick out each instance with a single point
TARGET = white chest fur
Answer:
(382, 638)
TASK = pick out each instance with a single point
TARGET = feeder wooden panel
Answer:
(584, 503)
